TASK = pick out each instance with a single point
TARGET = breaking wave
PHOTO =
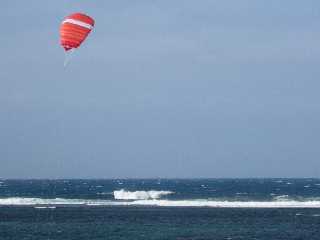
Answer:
(139, 195)
(160, 203)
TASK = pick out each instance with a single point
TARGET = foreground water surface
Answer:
(160, 209)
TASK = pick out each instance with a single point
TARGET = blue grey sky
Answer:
(161, 89)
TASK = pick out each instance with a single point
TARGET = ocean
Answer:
(180, 209)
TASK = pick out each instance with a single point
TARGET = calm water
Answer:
(160, 209)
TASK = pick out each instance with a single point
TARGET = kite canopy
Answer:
(74, 30)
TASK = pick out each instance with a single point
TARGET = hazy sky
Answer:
(161, 89)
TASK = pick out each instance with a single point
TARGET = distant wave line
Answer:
(18, 201)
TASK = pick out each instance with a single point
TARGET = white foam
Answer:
(13, 201)
(51, 207)
(105, 193)
(228, 204)
(281, 198)
(39, 202)
(139, 195)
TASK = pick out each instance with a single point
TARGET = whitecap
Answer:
(44, 207)
(281, 198)
(139, 195)
(279, 181)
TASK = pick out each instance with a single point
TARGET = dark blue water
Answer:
(160, 209)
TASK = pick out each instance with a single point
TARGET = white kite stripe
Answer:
(77, 22)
